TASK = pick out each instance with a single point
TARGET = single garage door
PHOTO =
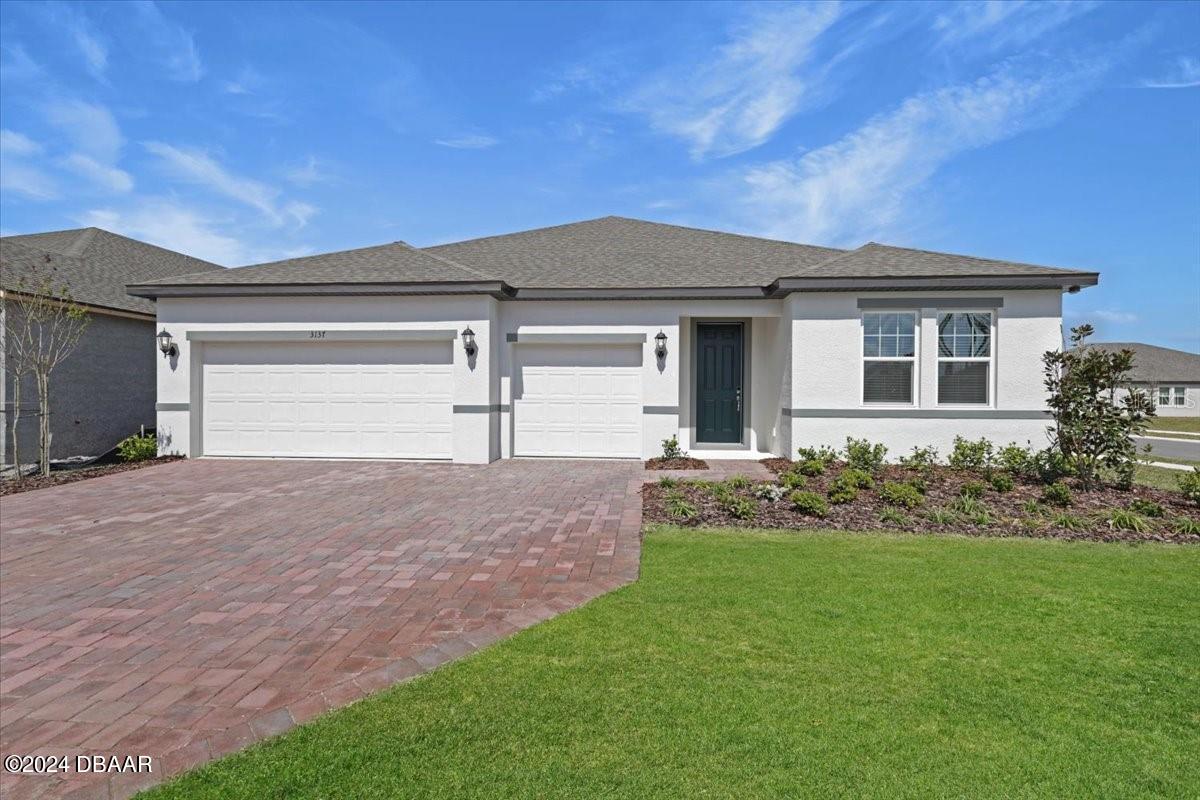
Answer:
(328, 399)
(578, 400)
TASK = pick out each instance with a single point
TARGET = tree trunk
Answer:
(44, 432)
(16, 418)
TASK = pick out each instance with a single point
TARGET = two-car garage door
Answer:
(329, 399)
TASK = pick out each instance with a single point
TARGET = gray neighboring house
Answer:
(106, 389)
(1171, 377)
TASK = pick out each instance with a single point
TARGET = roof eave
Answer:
(1065, 281)
(497, 289)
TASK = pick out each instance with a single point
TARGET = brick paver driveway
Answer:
(185, 610)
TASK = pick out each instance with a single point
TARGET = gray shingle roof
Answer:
(1153, 364)
(96, 265)
(397, 262)
(874, 260)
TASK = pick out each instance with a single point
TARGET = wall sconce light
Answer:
(660, 344)
(468, 336)
(167, 344)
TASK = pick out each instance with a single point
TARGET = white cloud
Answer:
(197, 167)
(26, 180)
(170, 43)
(1003, 23)
(470, 141)
(1185, 75)
(18, 144)
(1106, 315)
(738, 96)
(308, 173)
(863, 185)
(91, 126)
(103, 175)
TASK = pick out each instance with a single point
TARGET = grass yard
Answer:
(752, 664)
(1158, 477)
(1178, 424)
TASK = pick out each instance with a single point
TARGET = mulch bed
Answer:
(1008, 515)
(31, 482)
(676, 463)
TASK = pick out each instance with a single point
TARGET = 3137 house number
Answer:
(316, 334)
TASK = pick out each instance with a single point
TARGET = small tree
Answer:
(43, 325)
(1091, 427)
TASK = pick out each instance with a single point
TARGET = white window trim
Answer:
(990, 360)
(1176, 393)
(863, 358)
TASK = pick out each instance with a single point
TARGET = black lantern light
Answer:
(166, 344)
(660, 344)
(468, 336)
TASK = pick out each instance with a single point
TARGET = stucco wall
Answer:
(1190, 408)
(99, 395)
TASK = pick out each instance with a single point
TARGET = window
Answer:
(964, 358)
(889, 356)
(1165, 393)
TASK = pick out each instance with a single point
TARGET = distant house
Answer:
(1171, 377)
(106, 389)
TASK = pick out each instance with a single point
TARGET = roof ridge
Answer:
(448, 261)
(81, 242)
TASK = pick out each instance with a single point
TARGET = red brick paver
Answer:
(187, 610)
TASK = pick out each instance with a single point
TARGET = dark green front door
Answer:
(719, 393)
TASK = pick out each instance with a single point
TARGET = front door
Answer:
(719, 392)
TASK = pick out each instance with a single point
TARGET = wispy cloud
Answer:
(307, 173)
(736, 97)
(1106, 315)
(1184, 75)
(168, 42)
(91, 126)
(18, 144)
(996, 24)
(19, 176)
(105, 176)
(468, 141)
(861, 186)
(198, 167)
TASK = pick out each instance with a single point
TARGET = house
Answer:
(600, 339)
(105, 389)
(1171, 378)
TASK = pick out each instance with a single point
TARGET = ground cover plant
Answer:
(674, 457)
(756, 664)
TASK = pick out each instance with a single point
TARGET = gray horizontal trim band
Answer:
(784, 286)
(576, 338)
(648, 293)
(326, 335)
(660, 410)
(915, 413)
(480, 409)
(497, 289)
(171, 406)
(931, 302)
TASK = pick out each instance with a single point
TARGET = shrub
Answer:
(1014, 458)
(857, 478)
(769, 492)
(680, 508)
(138, 448)
(1124, 520)
(738, 482)
(893, 516)
(1057, 494)
(904, 495)
(809, 503)
(840, 493)
(1031, 507)
(1186, 526)
(921, 458)
(668, 482)
(671, 448)
(1049, 466)
(862, 455)
(971, 455)
(973, 489)
(941, 516)
(741, 507)
(793, 480)
(1189, 484)
(1068, 522)
(826, 455)
(1002, 482)
(981, 517)
(812, 467)
(919, 483)
(1147, 508)
(1090, 428)
(969, 506)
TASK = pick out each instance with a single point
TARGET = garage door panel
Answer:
(359, 400)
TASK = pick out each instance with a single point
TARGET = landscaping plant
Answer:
(971, 455)
(1125, 520)
(1057, 494)
(138, 447)
(1002, 482)
(1147, 508)
(904, 495)
(973, 489)
(826, 455)
(1189, 485)
(672, 450)
(863, 455)
(812, 467)
(809, 503)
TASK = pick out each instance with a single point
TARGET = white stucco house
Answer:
(600, 339)
(1170, 378)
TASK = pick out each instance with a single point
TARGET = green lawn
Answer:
(747, 664)
(1180, 424)
(1159, 477)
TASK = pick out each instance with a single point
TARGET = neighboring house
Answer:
(105, 390)
(601, 339)
(1171, 378)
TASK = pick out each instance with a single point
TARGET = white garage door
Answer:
(573, 400)
(333, 399)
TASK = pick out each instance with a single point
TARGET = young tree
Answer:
(1091, 427)
(43, 325)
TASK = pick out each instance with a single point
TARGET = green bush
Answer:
(904, 495)
(812, 467)
(671, 448)
(741, 507)
(1147, 508)
(1014, 458)
(921, 458)
(973, 489)
(1049, 466)
(862, 454)
(840, 493)
(138, 448)
(1057, 494)
(1189, 484)
(738, 482)
(1003, 483)
(668, 482)
(859, 479)
(919, 483)
(793, 480)
(809, 503)
(971, 455)
(1124, 520)
(826, 455)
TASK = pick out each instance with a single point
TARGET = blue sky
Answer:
(1061, 134)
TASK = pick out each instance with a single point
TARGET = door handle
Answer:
(739, 399)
